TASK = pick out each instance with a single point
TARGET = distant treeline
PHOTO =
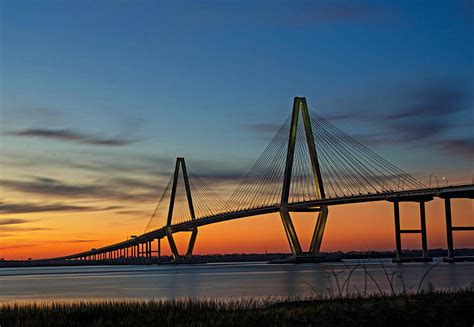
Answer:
(237, 257)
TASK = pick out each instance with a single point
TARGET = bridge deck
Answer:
(460, 191)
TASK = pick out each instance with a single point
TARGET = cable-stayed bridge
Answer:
(308, 166)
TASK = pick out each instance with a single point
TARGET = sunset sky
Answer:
(98, 98)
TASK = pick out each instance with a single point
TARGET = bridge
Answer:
(309, 166)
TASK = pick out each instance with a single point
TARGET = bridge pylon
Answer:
(300, 107)
(180, 166)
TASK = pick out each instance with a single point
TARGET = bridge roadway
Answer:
(458, 191)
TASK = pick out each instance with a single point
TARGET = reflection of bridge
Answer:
(317, 166)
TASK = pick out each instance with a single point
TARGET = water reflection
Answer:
(230, 280)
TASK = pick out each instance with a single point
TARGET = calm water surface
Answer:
(224, 280)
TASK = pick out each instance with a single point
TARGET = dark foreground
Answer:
(428, 309)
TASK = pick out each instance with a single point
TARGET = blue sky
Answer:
(141, 82)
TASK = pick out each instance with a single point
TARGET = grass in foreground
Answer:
(425, 309)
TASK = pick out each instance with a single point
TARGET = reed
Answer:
(453, 308)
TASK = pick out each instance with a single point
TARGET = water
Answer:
(223, 280)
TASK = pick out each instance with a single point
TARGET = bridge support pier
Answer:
(317, 238)
(192, 241)
(292, 236)
(449, 234)
(174, 248)
(398, 233)
(424, 241)
(158, 250)
(290, 232)
(398, 238)
(449, 228)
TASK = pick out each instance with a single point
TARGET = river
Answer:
(223, 280)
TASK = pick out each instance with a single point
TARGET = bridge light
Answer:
(446, 180)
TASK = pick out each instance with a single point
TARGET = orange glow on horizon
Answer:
(367, 226)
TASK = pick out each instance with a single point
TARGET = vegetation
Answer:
(339, 307)
(453, 308)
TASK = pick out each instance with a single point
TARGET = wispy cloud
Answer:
(262, 128)
(50, 186)
(69, 135)
(13, 226)
(222, 177)
(97, 162)
(431, 113)
(23, 229)
(77, 241)
(27, 207)
(26, 244)
(14, 221)
(117, 189)
(138, 213)
(463, 147)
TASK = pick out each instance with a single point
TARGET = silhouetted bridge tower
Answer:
(308, 166)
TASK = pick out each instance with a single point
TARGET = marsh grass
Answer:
(342, 280)
(453, 308)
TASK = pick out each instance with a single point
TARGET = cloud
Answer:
(23, 229)
(430, 112)
(433, 100)
(263, 128)
(16, 246)
(21, 245)
(233, 176)
(77, 241)
(137, 184)
(139, 165)
(434, 113)
(97, 162)
(69, 135)
(25, 207)
(51, 187)
(14, 221)
(14, 230)
(118, 189)
(9, 226)
(462, 147)
(139, 213)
